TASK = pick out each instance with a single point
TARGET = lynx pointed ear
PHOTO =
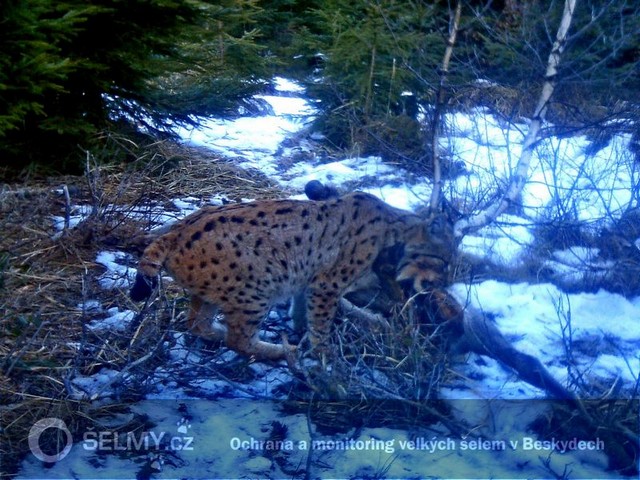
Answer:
(440, 229)
(438, 225)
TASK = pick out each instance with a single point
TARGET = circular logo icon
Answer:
(36, 432)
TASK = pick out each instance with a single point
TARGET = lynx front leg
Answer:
(243, 337)
(200, 320)
(298, 312)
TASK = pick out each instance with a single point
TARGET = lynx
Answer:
(241, 259)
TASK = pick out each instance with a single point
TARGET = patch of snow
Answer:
(289, 106)
(229, 439)
(98, 383)
(78, 214)
(117, 275)
(577, 265)
(614, 366)
(286, 85)
(90, 306)
(186, 205)
(562, 177)
(533, 317)
(576, 256)
(117, 321)
(503, 242)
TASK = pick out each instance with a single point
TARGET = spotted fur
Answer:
(241, 259)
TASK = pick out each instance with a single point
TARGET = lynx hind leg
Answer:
(200, 320)
(322, 306)
(243, 336)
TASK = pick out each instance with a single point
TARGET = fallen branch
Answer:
(484, 338)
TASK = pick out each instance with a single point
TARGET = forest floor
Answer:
(53, 232)
(75, 348)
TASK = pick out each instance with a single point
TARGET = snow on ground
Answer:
(564, 174)
(532, 318)
(221, 435)
(228, 439)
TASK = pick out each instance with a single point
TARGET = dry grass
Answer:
(41, 284)
(44, 277)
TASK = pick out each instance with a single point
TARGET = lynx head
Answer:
(425, 263)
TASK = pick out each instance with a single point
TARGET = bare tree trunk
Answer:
(439, 107)
(221, 41)
(372, 68)
(519, 177)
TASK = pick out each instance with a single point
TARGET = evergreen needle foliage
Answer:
(69, 69)
(368, 55)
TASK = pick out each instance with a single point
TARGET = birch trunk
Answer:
(437, 114)
(519, 177)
